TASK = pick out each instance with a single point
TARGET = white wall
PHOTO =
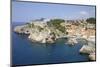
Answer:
(5, 33)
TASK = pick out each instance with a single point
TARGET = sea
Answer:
(25, 52)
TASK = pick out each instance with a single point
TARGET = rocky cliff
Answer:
(39, 32)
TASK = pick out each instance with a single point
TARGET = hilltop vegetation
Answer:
(56, 23)
(91, 20)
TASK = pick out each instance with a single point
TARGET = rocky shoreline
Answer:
(41, 32)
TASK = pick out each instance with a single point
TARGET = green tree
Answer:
(56, 23)
(91, 20)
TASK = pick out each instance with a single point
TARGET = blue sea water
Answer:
(25, 52)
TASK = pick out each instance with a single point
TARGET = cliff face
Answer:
(44, 31)
(39, 32)
(22, 30)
